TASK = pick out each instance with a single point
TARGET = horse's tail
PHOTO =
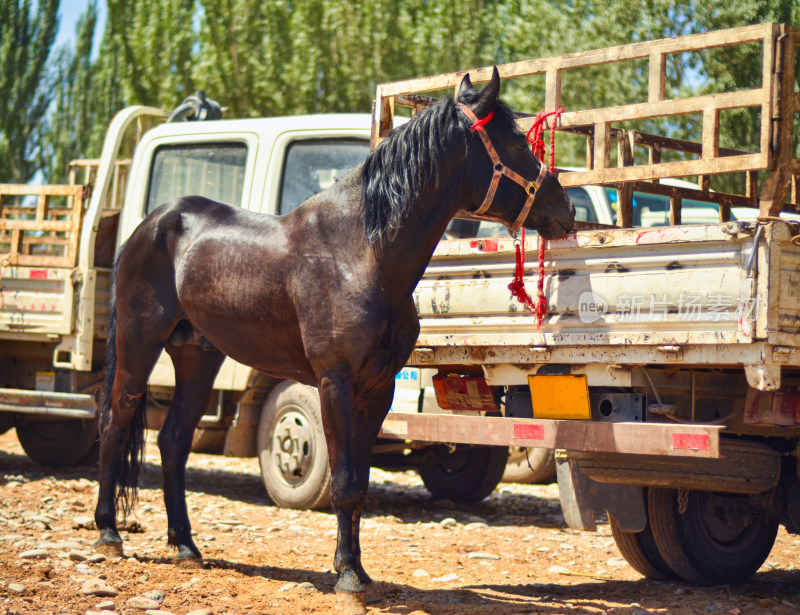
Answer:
(127, 470)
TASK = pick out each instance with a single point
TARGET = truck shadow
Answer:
(408, 503)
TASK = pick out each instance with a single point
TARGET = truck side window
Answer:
(212, 170)
(313, 165)
(653, 209)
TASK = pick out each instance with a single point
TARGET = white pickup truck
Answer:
(57, 245)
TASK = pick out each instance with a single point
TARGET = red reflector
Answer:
(690, 441)
(38, 274)
(528, 432)
(464, 393)
(484, 245)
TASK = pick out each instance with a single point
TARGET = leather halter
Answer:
(501, 170)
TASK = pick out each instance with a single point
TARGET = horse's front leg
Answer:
(351, 428)
(195, 370)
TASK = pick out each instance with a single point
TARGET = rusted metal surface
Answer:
(639, 438)
(60, 405)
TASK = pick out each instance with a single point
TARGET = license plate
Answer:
(560, 397)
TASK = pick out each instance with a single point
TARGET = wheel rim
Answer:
(293, 446)
(724, 526)
(455, 462)
(517, 454)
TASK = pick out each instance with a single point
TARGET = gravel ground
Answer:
(511, 553)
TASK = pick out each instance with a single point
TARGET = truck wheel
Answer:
(468, 474)
(710, 538)
(291, 448)
(58, 442)
(640, 551)
(211, 441)
(542, 468)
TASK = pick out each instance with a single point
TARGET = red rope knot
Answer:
(478, 126)
(517, 287)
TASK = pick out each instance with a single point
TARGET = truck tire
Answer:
(704, 540)
(530, 465)
(291, 448)
(468, 474)
(58, 442)
(640, 551)
(211, 441)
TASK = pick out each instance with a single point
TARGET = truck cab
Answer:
(265, 165)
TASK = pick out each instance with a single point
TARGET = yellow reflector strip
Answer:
(560, 397)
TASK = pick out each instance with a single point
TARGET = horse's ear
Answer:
(488, 97)
(465, 89)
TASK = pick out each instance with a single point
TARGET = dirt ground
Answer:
(511, 553)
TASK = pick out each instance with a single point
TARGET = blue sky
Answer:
(70, 11)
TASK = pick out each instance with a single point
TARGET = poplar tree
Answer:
(153, 43)
(27, 36)
(67, 133)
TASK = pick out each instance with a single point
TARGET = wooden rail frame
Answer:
(775, 98)
(49, 226)
(85, 172)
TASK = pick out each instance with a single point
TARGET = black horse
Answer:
(322, 295)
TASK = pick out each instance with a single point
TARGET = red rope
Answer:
(517, 287)
(478, 125)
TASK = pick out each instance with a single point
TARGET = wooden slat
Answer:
(625, 205)
(681, 168)
(657, 85)
(674, 210)
(68, 222)
(664, 108)
(552, 97)
(711, 133)
(50, 190)
(694, 42)
(602, 153)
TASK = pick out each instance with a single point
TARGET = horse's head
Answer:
(514, 187)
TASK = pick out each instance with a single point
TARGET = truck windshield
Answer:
(314, 165)
(212, 170)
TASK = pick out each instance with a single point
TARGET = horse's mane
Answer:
(409, 158)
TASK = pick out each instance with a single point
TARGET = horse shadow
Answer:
(508, 599)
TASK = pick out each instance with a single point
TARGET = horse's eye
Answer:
(522, 147)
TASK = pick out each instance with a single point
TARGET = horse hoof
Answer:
(351, 603)
(189, 563)
(109, 549)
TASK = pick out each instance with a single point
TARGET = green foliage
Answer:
(298, 56)
(67, 132)
(26, 40)
(153, 45)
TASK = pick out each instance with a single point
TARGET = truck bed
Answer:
(682, 294)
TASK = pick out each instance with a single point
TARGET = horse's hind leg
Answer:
(126, 400)
(195, 370)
